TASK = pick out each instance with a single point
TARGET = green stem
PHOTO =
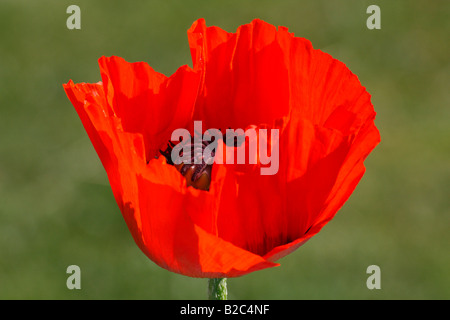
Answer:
(217, 289)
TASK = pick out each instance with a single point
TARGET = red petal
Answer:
(316, 192)
(322, 146)
(246, 76)
(148, 102)
(171, 238)
(325, 91)
(86, 96)
(249, 204)
(173, 225)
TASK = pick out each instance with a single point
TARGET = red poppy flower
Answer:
(258, 77)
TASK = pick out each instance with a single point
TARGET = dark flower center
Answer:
(196, 170)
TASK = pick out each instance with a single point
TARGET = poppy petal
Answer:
(175, 242)
(245, 77)
(320, 156)
(325, 91)
(83, 96)
(324, 188)
(148, 102)
(154, 201)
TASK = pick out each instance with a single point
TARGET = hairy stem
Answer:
(217, 289)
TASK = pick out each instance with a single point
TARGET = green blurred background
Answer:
(56, 206)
